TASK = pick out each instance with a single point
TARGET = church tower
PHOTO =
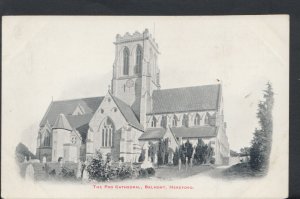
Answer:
(135, 71)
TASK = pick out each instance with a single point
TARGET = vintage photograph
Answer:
(179, 106)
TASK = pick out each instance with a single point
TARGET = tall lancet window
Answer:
(197, 120)
(185, 120)
(153, 122)
(139, 58)
(39, 140)
(174, 121)
(206, 119)
(107, 130)
(47, 138)
(125, 61)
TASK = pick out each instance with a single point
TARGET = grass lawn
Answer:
(241, 170)
(238, 171)
(172, 172)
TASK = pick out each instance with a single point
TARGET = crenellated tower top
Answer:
(135, 37)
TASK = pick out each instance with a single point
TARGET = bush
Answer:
(67, 174)
(100, 170)
(52, 173)
(145, 173)
(150, 171)
(125, 172)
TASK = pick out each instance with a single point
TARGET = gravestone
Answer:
(170, 156)
(179, 164)
(79, 168)
(29, 173)
(146, 163)
(186, 163)
(85, 175)
(44, 159)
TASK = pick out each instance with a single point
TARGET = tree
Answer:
(176, 157)
(199, 152)
(161, 153)
(262, 139)
(166, 160)
(23, 152)
(203, 153)
(209, 152)
(182, 153)
(189, 150)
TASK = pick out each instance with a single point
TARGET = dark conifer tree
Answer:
(262, 140)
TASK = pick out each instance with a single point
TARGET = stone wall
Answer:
(44, 152)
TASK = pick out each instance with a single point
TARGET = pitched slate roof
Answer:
(128, 113)
(62, 123)
(197, 98)
(153, 133)
(67, 107)
(195, 132)
(77, 121)
(80, 123)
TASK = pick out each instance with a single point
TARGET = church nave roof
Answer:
(197, 98)
(67, 107)
(195, 132)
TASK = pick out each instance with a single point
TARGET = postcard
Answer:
(145, 107)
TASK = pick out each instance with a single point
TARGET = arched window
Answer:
(153, 122)
(139, 58)
(185, 120)
(206, 119)
(47, 138)
(174, 121)
(39, 140)
(197, 120)
(106, 136)
(103, 136)
(125, 61)
(107, 130)
(163, 122)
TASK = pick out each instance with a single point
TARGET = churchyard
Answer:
(154, 162)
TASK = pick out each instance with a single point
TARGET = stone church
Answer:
(134, 111)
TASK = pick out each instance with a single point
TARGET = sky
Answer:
(72, 57)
